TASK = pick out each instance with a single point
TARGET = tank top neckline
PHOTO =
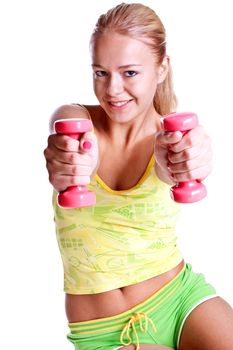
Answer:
(140, 181)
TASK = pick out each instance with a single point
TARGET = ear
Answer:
(163, 69)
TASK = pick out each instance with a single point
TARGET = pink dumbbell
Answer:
(74, 196)
(188, 191)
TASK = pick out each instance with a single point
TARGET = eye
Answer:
(100, 73)
(130, 73)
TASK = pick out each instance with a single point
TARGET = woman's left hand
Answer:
(188, 159)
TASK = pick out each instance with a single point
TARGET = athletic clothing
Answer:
(127, 237)
(158, 320)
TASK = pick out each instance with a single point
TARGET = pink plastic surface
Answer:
(189, 191)
(75, 196)
(183, 121)
(72, 126)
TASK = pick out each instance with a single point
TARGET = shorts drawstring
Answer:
(137, 316)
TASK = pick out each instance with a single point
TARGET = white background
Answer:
(44, 64)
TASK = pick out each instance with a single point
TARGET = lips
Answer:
(119, 104)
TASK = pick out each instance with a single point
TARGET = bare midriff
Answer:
(86, 307)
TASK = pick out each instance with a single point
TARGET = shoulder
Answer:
(68, 111)
(93, 112)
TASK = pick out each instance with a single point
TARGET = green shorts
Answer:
(158, 320)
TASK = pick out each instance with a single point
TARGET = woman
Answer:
(127, 285)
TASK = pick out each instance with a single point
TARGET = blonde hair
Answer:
(141, 22)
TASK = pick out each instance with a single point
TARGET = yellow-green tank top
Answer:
(127, 237)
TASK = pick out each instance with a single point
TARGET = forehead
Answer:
(113, 48)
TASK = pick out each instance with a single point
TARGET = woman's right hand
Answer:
(71, 162)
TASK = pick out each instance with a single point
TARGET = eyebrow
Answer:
(120, 67)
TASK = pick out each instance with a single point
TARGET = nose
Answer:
(115, 85)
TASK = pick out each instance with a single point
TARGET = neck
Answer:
(132, 132)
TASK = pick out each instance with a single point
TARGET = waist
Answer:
(87, 307)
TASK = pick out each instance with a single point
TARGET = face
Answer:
(125, 76)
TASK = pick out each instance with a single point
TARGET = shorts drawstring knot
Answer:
(137, 316)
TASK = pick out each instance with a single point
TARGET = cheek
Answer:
(146, 90)
(151, 88)
(96, 87)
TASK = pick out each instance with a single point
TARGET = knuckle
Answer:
(173, 157)
(170, 167)
(52, 179)
(48, 166)
(170, 157)
(187, 153)
(160, 139)
(187, 167)
(67, 143)
(189, 141)
(46, 153)
(74, 170)
(51, 164)
(70, 144)
(50, 138)
(74, 181)
(189, 176)
(73, 158)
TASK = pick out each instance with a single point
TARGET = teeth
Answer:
(118, 104)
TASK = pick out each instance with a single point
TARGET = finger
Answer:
(166, 138)
(187, 154)
(67, 169)
(190, 165)
(197, 174)
(88, 142)
(63, 143)
(190, 139)
(62, 182)
(55, 155)
(200, 149)
(71, 164)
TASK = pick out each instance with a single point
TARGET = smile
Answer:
(119, 104)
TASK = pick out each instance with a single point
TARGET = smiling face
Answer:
(125, 76)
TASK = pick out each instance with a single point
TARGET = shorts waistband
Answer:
(139, 311)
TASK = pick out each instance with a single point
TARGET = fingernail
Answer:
(87, 145)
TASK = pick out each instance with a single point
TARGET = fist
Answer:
(183, 157)
(71, 162)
